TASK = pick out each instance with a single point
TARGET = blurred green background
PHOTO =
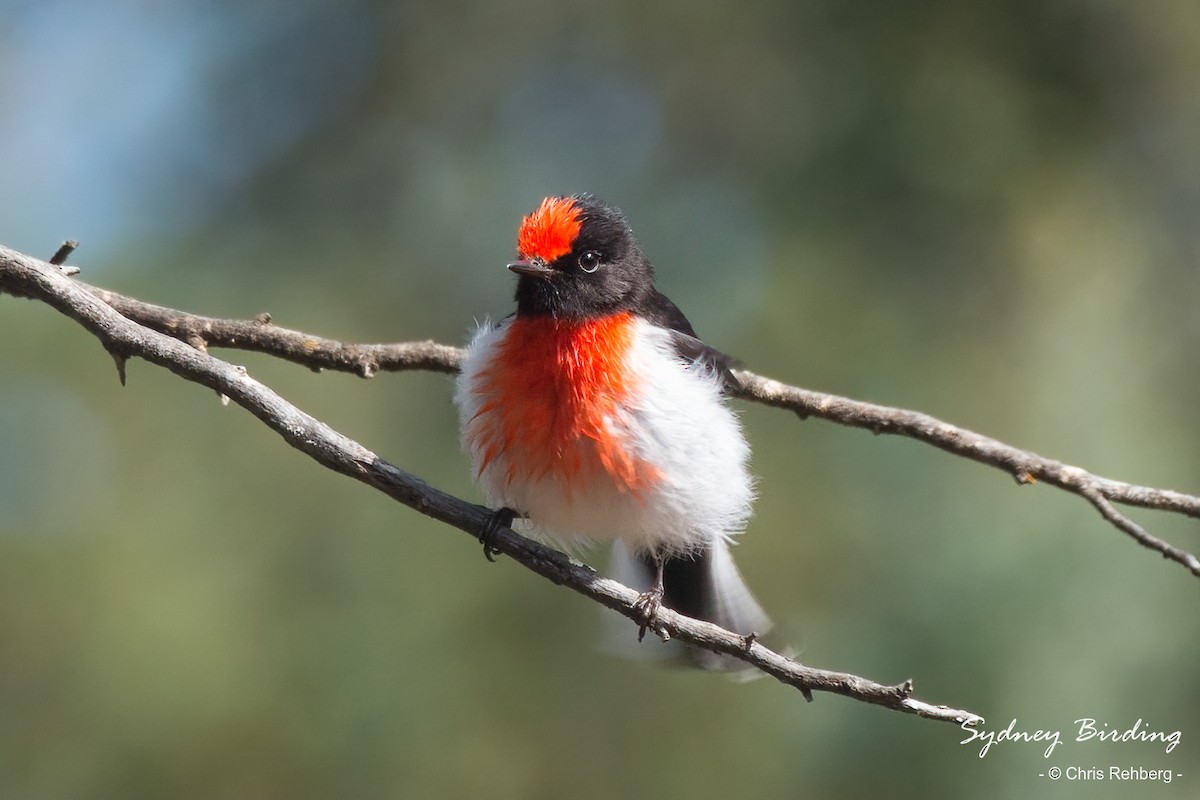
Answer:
(988, 212)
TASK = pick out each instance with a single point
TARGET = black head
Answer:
(578, 258)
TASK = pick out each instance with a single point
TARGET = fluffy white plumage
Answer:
(673, 418)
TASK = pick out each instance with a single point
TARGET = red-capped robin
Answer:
(594, 412)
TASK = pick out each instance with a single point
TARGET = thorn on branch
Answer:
(120, 360)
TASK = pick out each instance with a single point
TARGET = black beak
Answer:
(534, 268)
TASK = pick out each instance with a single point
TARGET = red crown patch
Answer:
(550, 231)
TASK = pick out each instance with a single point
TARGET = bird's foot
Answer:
(647, 605)
(500, 518)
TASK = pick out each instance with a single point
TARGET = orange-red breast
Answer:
(595, 413)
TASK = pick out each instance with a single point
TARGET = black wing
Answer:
(666, 314)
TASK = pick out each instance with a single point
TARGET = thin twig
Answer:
(367, 359)
(1124, 523)
(27, 277)
(62, 254)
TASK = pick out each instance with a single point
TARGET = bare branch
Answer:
(367, 359)
(27, 277)
(260, 336)
(1024, 466)
(1124, 523)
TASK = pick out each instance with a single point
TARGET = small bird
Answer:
(596, 413)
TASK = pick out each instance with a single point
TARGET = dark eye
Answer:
(589, 261)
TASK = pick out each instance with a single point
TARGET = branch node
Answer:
(263, 318)
(904, 690)
(367, 369)
(748, 640)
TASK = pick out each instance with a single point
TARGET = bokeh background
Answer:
(985, 211)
